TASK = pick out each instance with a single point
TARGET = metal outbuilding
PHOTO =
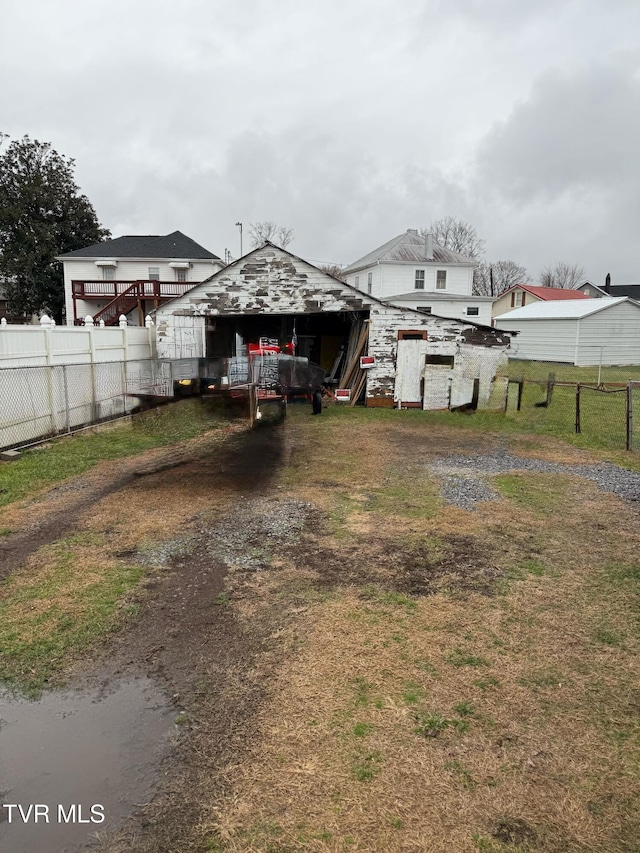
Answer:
(579, 332)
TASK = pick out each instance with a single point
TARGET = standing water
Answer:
(75, 764)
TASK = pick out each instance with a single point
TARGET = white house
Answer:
(415, 272)
(580, 332)
(132, 275)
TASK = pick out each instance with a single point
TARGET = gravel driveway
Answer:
(464, 479)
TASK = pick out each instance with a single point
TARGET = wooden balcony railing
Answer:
(147, 289)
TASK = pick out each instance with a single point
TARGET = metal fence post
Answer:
(629, 417)
(67, 414)
(520, 390)
(253, 404)
(578, 408)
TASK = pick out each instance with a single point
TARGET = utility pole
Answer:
(239, 224)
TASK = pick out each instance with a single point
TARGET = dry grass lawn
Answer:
(492, 709)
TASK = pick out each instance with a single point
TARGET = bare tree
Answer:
(493, 277)
(269, 232)
(333, 269)
(456, 235)
(562, 275)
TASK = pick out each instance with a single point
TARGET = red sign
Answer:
(367, 361)
(343, 394)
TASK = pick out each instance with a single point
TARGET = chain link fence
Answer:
(43, 401)
(38, 402)
(601, 403)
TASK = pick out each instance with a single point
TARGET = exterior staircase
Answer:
(122, 304)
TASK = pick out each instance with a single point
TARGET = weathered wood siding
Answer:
(444, 337)
(457, 309)
(268, 280)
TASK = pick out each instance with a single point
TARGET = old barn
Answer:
(416, 359)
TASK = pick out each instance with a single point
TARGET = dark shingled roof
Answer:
(176, 245)
(630, 290)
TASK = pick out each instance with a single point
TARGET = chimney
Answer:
(428, 246)
(607, 283)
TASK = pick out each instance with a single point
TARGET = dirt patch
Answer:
(425, 566)
(451, 564)
(514, 831)
(64, 507)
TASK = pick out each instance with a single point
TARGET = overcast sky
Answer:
(347, 120)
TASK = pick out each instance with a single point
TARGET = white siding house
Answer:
(580, 332)
(101, 278)
(413, 271)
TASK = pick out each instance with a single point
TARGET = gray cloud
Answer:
(348, 120)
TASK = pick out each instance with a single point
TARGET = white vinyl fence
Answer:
(54, 379)
(34, 346)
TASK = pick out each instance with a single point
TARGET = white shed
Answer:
(579, 332)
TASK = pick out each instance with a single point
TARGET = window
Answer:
(357, 281)
(108, 273)
(472, 312)
(369, 282)
(441, 280)
(412, 335)
(419, 280)
(154, 273)
(181, 274)
(519, 301)
(426, 309)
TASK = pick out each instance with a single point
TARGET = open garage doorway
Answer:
(321, 337)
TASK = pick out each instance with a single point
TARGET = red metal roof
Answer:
(548, 293)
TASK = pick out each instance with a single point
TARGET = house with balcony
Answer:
(413, 271)
(132, 275)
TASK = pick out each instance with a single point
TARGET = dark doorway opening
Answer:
(320, 337)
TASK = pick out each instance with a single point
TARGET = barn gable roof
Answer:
(220, 294)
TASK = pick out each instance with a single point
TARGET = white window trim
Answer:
(438, 285)
(422, 280)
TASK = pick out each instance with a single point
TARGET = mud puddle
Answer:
(86, 759)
